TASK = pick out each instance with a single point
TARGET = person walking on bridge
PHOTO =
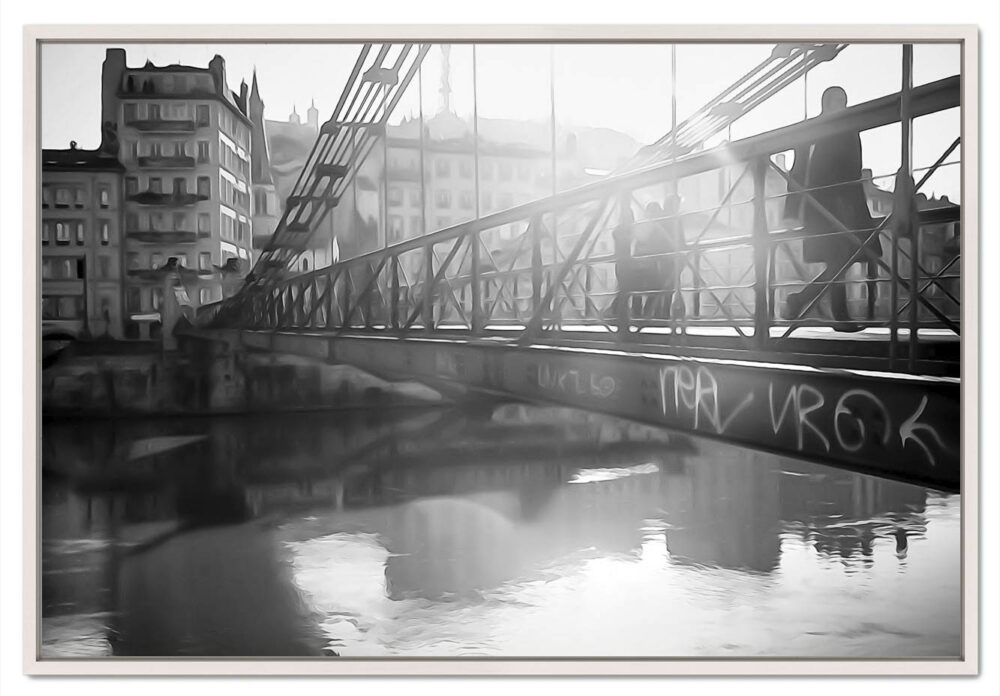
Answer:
(827, 176)
(661, 235)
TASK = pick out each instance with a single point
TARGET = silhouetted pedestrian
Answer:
(829, 172)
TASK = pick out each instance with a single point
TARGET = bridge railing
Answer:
(550, 267)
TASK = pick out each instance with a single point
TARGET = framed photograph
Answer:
(501, 350)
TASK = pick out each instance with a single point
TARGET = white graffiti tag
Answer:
(844, 409)
(697, 392)
(910, 428)
(797, 402)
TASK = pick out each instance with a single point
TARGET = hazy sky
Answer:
(625, 87)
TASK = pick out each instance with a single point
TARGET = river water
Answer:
(501, 530)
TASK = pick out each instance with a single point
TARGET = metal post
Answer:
(554, 224)
(394, 269)
(535, 231)
(762, 315)
(676, 299)
(911, 229)
(474, 237)
(428, 308)
(385, 171)
(423, 184)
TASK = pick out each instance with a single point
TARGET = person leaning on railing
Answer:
(827, 173)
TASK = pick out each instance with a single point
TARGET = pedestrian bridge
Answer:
(523, 303)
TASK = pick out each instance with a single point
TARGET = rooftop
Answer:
(75, 159)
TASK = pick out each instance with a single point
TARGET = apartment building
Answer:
(81, 244)
(184, 142)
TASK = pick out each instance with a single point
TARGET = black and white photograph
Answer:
(503, 348)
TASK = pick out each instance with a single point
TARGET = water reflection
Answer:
(509, 530)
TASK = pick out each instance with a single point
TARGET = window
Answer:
(62, 269)
(80, 198)
(62, 307)
(202, 150)
(156, 150)
(415, 226)
(395, 228)
(62, 233)
(70, 307)
(506, 201)
(465, 200)
(103, 266)
(415, 197)
(442, 199)
(442, 167)
(180, 186)
(182, 259)
(156, 260)
(105, 227)
(157, 298)
(133, 300)
(465, 169)
(201, 114)
(204, 187)
(131, 221)
(154, 115)
(505, 171)
(133, 261)
(131, 113)
(62, 198)
(523, 172)
(205, 296)
(204, 225)
(443, 222)
(204, 261)
(180, 221)
(103, 197)
(131, 186)
(155, 184)
(179, 149)
(46, 196)
(395, 195)
(487, 202)
(45, 233)
(486, 171)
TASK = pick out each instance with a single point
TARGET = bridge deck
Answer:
(891, 424)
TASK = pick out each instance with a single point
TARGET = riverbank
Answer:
(150, 384)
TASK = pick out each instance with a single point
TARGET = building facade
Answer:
(82, 244)
(184, 142)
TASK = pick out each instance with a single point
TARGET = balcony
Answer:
(167, 162)
(163, 236)
(162, 125)
(404, 173)
(166, 199)
(189, 276)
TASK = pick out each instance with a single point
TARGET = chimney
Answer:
(243, 97)
(217, 69)
(112, 74)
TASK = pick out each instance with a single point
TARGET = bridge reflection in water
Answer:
(503, 530)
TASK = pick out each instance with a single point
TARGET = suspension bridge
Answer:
(525, 303)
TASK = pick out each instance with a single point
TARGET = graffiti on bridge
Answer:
(575, 382)
(858, 418)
